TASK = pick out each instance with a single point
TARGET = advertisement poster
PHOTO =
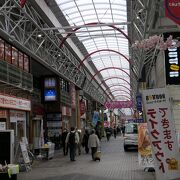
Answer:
(145, 156)
(162, 133)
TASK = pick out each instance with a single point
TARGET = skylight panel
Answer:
(104, 37)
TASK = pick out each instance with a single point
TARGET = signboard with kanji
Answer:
(162, 133)
(172, 10)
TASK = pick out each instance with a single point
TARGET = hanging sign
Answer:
(162, 133)
(172, 10)
(118, 104)
(139, 102)
(73, 96)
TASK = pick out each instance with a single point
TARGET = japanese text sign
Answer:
(162, 133)
(15, 103)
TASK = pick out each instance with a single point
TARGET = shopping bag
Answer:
(97, 156)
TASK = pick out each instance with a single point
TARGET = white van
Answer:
(131, 136)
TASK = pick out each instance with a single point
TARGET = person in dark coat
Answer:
(123, 130)
(72, 141)
(85, 141)
(65, 148)
(115, 132)
(108, 133)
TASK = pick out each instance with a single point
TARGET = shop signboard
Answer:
(17, 116)
(139, 102)
(172, 10)
(172, 61)
(162, 133)
(145, 156)
(118, 104)
(14, 103)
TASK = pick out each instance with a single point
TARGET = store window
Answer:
(14, 56)
(1, 49)
(26, 63)
(21, 59)
(8, 52)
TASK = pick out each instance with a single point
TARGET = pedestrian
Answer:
(115, 132)
(85, 141)
(72, 141)
(123, 130)
(65, 148)
(108, 134)
(93, 143)
(80, 141)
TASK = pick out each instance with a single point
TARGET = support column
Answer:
(78, 123)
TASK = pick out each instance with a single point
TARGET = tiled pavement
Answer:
(115, 164)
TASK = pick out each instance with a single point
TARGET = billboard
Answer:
(162, 133)
(172, 61)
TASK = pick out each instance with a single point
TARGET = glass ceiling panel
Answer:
(101, 37)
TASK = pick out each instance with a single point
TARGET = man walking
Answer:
(72, 140)
(64, 135)
(93, 143)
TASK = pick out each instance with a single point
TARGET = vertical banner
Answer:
(145, 156)
(172, 60)
(82, 107)
(95, 117)
(73, 96)
(162, 133)
(139, 102)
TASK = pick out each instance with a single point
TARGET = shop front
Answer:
(14, 114)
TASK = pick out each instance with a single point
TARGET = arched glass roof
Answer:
(103, 16)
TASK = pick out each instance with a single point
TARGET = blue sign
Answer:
(139, 102)
(95, 117)
(49, 94)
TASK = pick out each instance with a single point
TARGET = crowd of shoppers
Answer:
(73, 141)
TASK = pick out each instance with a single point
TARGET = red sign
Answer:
(172, 10)
(82, 107)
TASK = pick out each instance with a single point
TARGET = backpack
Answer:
(71, 138)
